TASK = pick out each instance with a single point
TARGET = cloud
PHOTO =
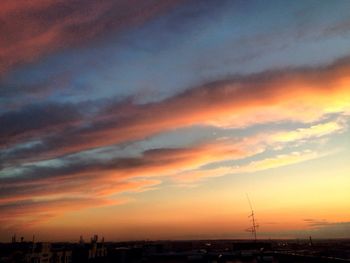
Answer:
(34, 121)
(315, 131)
(22, 214)
(25, 204)
(340, 28)
(317, 223)
(36, 28)
(40, 193)
(103, 177)
(193, 176)
(161, 161)
(277, 139)
(82, 186)
(299, 95)
(325, 228)
(15, 96)
(278, 161)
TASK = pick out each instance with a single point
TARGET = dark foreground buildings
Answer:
(206, 251)
(32, 252)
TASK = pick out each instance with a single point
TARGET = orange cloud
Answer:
(24, 205)
(26, 213)
(85, 186)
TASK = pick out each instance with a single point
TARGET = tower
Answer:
(253, 228)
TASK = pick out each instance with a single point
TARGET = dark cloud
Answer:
(83, 175)
(34, 121)
(31, 174)
(317, 223)
(14, 95)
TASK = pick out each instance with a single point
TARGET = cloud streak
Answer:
(321, 228)
(33, 121)
(190, 177)
(20, 215)
(37, 28)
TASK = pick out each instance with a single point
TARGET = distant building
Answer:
(61, 256)
(31, 252)
(41, 253)
(87, 252)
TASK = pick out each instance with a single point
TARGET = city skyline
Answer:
(154, 119)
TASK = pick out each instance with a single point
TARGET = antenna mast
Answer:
(254, 226)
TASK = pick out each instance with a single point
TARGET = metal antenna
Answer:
(254, 226)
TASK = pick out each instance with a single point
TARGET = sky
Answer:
(155, 119)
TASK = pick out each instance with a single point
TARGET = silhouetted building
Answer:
(31, 252)
(88, 252)
(41, 253)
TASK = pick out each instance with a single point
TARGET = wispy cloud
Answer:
(323, 227)
(255, 166)
(20, 215)
(274, 140)
(37, 28)
(35, 203)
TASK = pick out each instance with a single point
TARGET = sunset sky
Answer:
(154, 119)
